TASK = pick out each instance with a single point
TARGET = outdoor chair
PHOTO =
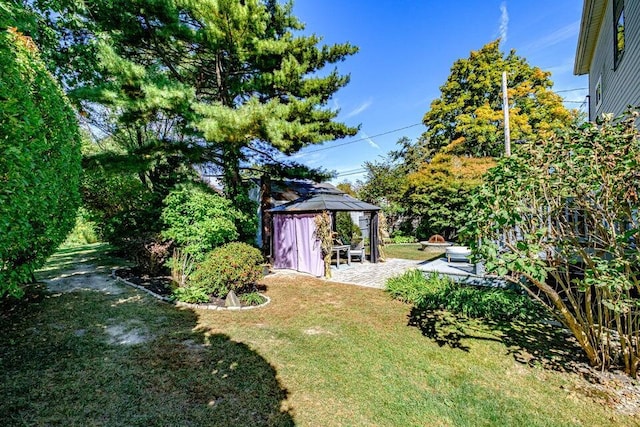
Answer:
(357, 250)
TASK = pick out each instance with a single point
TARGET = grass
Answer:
(411, 251)
(321, 354)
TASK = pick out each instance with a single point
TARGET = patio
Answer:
(376, 275)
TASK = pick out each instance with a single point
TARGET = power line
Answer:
(361, 139)
(571, 90)
(350, 173)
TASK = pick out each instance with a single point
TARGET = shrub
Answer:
(191, 294)
(39, 165)
(439, 292)
(199, 220)
(403, 239)
(149, 252)
(120, 205)
(234, 266)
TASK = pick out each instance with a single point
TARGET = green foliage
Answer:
(562, 216)
(120, 205)
(467, 118)
(228, 83)
(39, 162)
(438, 193)
(198, 220)
(439, 292)
(84, 232)
(411, 287)
(347, 230)
(233, 267)
(384, 186)
(252, 298)
(192, 294)
(181, 265)
(399, 237)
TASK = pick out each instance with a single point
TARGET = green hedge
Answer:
(39, 163)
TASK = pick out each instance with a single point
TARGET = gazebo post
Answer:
(373, 237)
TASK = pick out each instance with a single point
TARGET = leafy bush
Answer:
(235, 266)
(411, 287)
(199, 220)
(39, 165)
(191, 294)
(439, 292)
(149, 252)
(573, 198)
(120, 205)
(399, 238)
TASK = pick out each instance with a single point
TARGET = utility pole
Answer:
(505, 109)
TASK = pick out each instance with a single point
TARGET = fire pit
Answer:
(435, 241)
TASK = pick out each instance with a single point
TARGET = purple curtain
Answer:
(295, 244)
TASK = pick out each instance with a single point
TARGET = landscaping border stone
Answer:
(186, 304)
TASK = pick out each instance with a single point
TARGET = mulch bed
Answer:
(162, 285)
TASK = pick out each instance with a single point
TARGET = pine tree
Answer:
(226, 82)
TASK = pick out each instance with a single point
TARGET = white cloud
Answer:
(504, 22)
(558, 36)
(369, 140)
(366, 104)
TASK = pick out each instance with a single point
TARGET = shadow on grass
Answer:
(531, 343)
(89, 358)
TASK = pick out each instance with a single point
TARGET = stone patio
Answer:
(376, 275)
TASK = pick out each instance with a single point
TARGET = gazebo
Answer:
(294, 243)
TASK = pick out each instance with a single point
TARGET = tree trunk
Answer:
(265, 204)
(569, 321)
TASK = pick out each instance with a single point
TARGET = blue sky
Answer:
(407, 48)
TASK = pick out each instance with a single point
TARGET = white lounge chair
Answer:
(458, 253)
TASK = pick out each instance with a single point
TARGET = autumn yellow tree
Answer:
(467, 119)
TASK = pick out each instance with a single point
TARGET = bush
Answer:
(234, 266)
(439, 292)
(149, 252)
(120, 205)
(39, 164)
(403, 239)
(199, 220)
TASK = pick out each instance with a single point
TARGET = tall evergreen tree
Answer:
(228, 82)
(467, 119)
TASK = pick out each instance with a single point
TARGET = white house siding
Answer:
(620, 87)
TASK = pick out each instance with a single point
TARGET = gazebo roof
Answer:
(330, 200)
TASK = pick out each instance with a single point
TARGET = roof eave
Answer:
(592, 14)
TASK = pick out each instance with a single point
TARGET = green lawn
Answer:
(411, 251)
(321, 354)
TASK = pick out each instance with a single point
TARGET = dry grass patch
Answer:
(347, 356)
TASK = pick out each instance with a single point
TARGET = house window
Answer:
(618, 31)
(598, 92)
